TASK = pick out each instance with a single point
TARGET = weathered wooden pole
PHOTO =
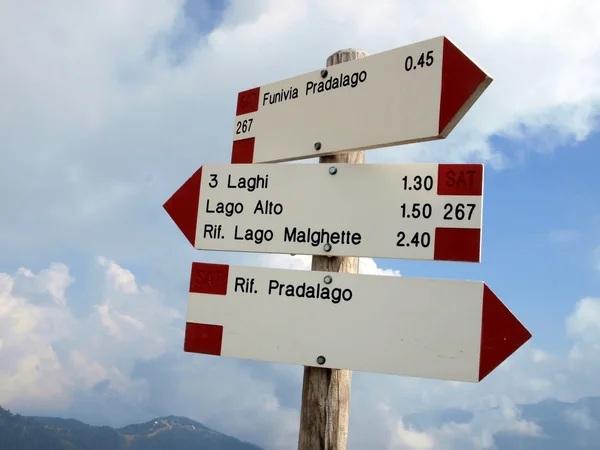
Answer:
(326, 392)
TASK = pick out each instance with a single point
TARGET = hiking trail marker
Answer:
(443, 329)
(414, 93)
(332, 320)
(405, 211)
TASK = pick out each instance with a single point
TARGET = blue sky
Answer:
(205, 15)
(108, 107)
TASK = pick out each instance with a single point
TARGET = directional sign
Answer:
(410, 94)
(445, 329)
(404, 211)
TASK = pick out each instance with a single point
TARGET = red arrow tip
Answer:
(501, 333)
(462, 84)
(183, 206)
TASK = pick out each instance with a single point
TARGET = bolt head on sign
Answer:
(414, 93)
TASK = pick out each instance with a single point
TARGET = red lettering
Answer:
(460, 179)
(209, 278)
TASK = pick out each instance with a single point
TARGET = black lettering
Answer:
(309, 87)
(310, 291)
(423, 59)
(245, 285)
(459, 211)
(268, 207)
(319, 237)
(418, 183)
(228, 209)
(284, 95)
(343, 80)
(336, 295)
(213, 231)
(400, 242)
(208, 210)
(239, 283)
(257, 236)
(416, 240)
(290, 236)
(273, 284)
(208, 231)
(250, 184)
(448, 209)
(243, 126)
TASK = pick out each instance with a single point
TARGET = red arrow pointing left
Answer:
(183, 206)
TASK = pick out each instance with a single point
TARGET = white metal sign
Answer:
(410, 94)
(445, 329)
(404, 211)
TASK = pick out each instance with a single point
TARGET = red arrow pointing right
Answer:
(501, 333)
(463, 82)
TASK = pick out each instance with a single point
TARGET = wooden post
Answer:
(326, 392)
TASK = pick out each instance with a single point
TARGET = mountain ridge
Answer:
(19, 432)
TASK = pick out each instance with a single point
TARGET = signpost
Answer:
(406, 211)
(444, 329)
(410, 94)
(330, 319)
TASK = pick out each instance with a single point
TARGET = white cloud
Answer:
(581, 417)
(402, 437)
(119, 279)
(47, 351)
(539, 355)
(407, 439)
(478, 433)
(584, 322)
